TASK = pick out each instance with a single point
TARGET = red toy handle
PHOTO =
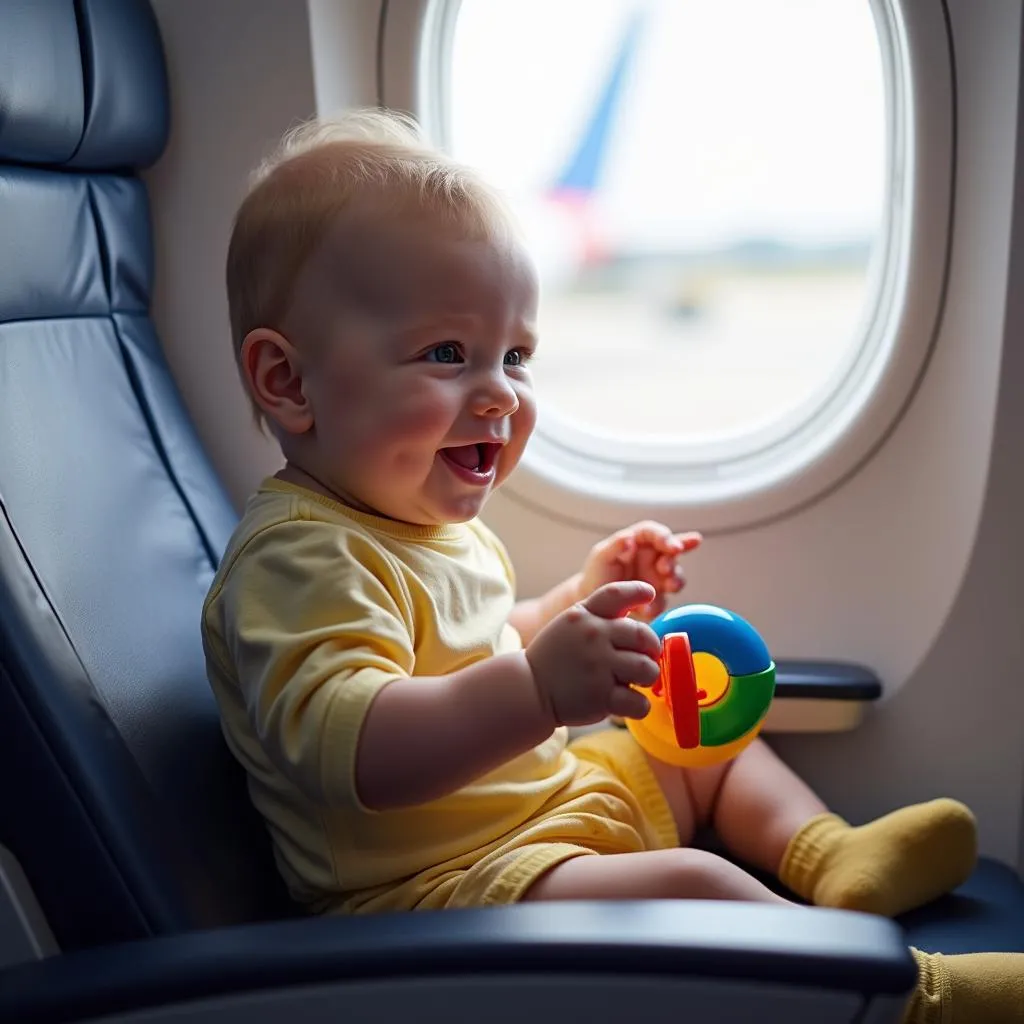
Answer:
(679, 680)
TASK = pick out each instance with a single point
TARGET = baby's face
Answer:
(419, 382)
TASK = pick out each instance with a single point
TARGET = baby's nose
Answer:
(496, 398)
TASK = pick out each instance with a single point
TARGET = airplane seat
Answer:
(985, 914)
(122, 803)
(140, 879)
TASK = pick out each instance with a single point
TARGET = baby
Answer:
(402, 719)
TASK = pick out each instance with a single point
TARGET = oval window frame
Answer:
(572, 473)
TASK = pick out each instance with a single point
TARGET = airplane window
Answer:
(703, 183)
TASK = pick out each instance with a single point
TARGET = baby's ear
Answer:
(273, 376)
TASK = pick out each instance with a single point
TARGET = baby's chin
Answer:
(452, 511)
(435, 503)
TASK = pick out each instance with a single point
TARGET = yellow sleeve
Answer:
(315, 621)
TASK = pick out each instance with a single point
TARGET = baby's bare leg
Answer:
(653, 874)
(759, 805)
(755, 803)
(768, 817)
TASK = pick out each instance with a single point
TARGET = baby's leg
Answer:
(768, 817)
(983, 988)
(759, 805)
(755, 803)
(652, 874)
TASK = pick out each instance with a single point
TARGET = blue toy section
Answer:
(719, 632)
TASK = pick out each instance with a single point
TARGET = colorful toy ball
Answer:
(716, 685)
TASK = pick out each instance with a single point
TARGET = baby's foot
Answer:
(888, 866)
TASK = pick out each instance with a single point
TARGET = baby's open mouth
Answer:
(474, 462)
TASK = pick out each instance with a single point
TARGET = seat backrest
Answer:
(117, 793)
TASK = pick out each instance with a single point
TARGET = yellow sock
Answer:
(888, 866)
(974, 988)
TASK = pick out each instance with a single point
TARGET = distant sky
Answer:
(741, 118)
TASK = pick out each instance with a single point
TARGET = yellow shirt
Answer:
(315, 607)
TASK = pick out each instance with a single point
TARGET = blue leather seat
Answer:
(119, 799)
(130, 817)
(986, 914)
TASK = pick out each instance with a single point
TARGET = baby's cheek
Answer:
(404, 429)
(418, 420)
(525, 419)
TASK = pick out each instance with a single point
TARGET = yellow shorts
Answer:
(613, 805)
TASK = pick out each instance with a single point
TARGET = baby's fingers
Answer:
(616, 599)
(627, 703)
(673, 581)
(633, 635)
(619, 547)
(688, 541)
(651, 534)
(679, 544)
(636, 669)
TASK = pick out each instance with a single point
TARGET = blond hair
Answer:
(296, 194)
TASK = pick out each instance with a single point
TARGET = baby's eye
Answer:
(446, 352)
(516, 357)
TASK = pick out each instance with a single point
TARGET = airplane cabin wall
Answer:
(915, 566)
(240, 76)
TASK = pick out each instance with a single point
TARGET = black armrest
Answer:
(826, 680)
(802, 947)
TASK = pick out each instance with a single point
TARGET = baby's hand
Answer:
(644, 551)
(585, 659)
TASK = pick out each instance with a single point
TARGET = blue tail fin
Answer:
(582, 171)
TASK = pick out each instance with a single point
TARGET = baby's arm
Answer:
(425, 737)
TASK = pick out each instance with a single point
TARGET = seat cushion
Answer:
(985, 915)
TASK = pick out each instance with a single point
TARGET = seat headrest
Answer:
(82, 84)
